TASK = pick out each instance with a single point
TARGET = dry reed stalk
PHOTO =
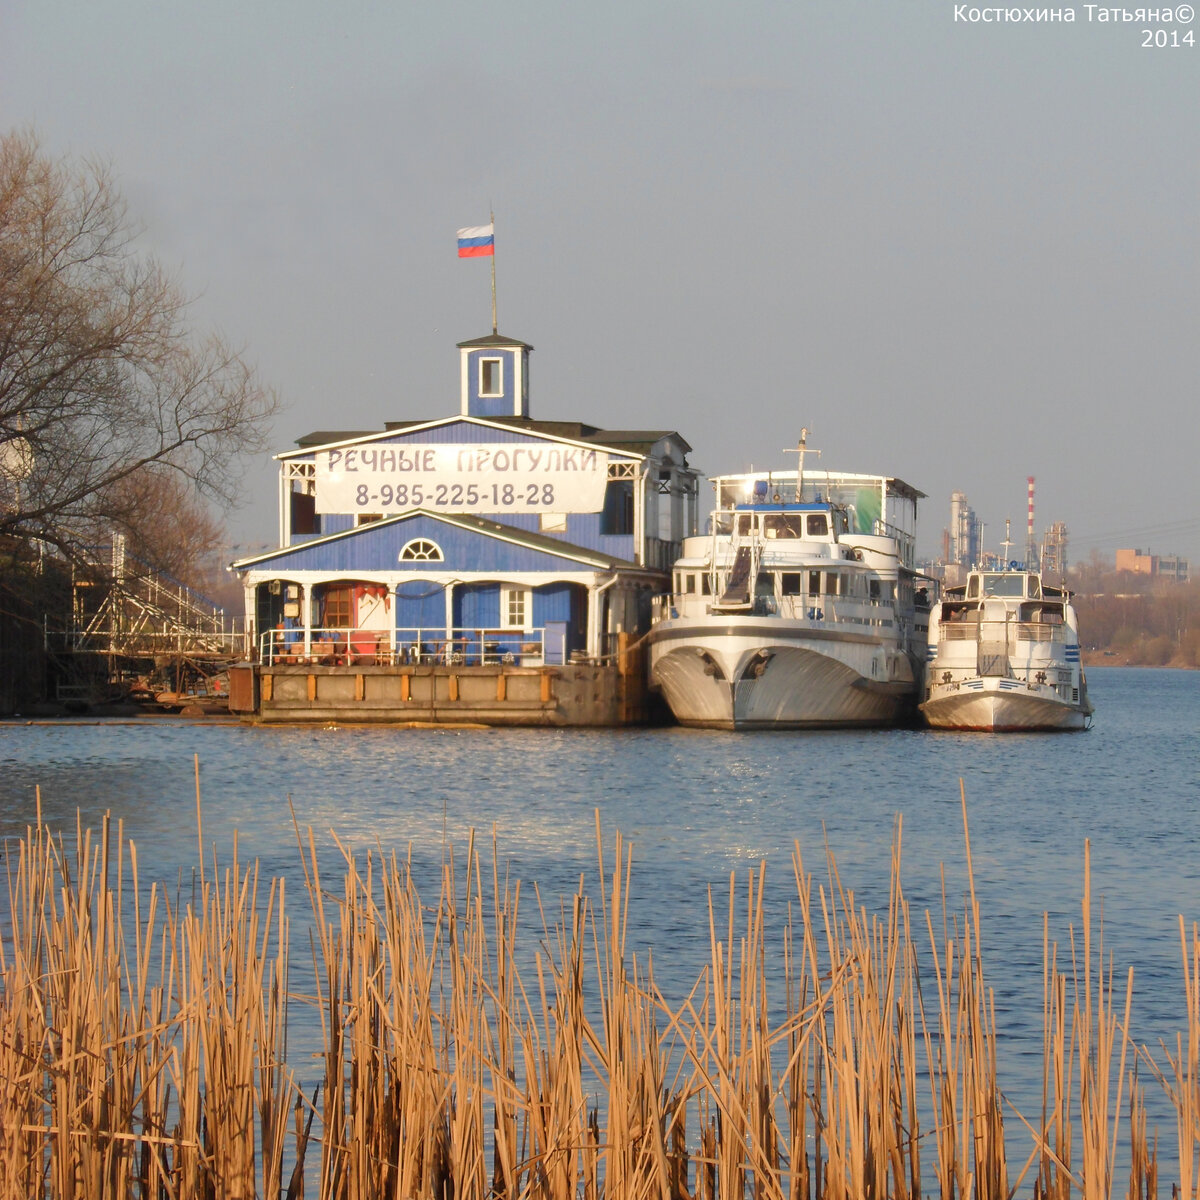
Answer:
(962, 1056)
(731, 1049)
(1096, 1026)
(1183, 1083)
(116, 1060)
(1054, 1137)
(626, 1047)
(552, 1061)
(142, 1050)
(23, 1018)
(1143, 1155)
(494, 1050)
(867, 1048)
(234, 1091)
(799, 1062)
(92, 1069)
(415, 1065)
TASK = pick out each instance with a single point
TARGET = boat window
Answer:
(1003, 585)
(973, 587)
(691, 584)
(783, 525)
(833, 583)
(873, 588)
(814, 583)
(745, 523)
(789, 583)
(818, 525)
(1035, 587)
(723, 523)
(705, 585)
(764, 584)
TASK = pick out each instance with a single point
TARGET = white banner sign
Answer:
(492, 478)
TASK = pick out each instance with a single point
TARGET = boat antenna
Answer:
(800, 450)
(1007, 543)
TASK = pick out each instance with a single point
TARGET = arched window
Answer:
(422, 550)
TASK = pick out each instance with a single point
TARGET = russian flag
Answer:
(476, 241)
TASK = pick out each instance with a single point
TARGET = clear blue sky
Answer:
(959, 252)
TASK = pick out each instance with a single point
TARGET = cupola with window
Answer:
(495, 377)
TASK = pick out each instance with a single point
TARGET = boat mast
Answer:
(1007, 543)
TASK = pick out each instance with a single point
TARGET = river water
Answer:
(696, 806)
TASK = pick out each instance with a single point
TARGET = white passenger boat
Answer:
(1004, 655)
(799, 608)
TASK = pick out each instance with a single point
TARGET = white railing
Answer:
(375, 647)
(820, 609)
(998, 631)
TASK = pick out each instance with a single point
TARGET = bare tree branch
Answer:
(105, 392)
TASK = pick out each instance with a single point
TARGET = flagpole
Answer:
(492, 217)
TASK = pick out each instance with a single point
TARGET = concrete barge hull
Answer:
(559, 697)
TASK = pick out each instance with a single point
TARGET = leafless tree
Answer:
(106, 394)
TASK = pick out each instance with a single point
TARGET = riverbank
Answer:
(1132, 658)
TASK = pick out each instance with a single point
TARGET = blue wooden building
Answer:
(484, 537)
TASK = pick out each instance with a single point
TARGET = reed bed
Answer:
(144, 1039)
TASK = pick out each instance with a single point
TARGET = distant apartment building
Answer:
(1159, 566)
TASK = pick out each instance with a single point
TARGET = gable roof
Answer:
(546, 430)
(629, 441)
(493, 339)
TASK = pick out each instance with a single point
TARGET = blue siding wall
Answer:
(477, 606)
(553, 603)
(377, 547)
(583, 529)
(420, 604)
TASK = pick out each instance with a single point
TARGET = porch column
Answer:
(596, 598)
(285, 507)
(390, 606)
(448, 591)
(306, 614)
(593, 622)
(249, 595)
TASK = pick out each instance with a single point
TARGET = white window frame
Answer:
(421, 550)
(499, 362)
(511, 594)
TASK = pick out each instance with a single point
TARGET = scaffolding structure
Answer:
(136, 629)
